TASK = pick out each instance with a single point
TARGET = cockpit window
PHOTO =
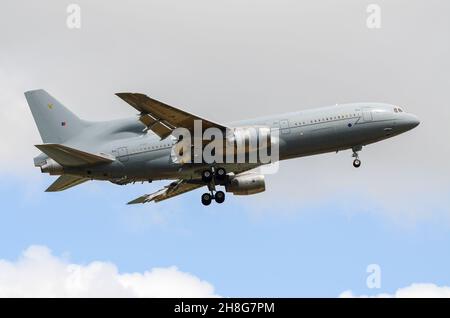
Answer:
(395, 110)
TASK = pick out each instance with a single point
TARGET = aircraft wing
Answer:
(175, 188)
(65, 182)
(161, 118)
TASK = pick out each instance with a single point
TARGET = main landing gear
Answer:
(356, 162)
(211, 177)
(219, 174)
(207, 198)
(207, 176)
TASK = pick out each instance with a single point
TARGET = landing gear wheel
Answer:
(206, 199)
(220, 173)
(356, 162)
(207, 176)
(219, 196)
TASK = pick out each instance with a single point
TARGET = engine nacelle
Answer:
(246, 184)
(250, 138)
(254, 144)
(52, 167)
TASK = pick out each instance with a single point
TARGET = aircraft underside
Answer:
(168, 143)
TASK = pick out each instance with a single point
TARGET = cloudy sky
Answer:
(320, 223)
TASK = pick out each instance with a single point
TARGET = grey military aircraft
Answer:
(147, 148)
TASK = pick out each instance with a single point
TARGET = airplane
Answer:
(141, 149)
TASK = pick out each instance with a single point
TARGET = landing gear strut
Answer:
(356, 162)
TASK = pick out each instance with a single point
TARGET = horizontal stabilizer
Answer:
(65, 182)
(71, 157)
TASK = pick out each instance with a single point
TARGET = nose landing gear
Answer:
(356, 162)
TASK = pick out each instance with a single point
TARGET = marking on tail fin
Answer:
(48, 113)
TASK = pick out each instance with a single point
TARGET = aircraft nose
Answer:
(409, 121)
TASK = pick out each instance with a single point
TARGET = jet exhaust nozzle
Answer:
(52, 167)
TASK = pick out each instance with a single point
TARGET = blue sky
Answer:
(320, 250)
(319, 224)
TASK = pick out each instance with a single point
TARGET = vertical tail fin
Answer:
(56, 123)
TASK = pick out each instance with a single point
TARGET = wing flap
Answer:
(65, 182)
(175, 188)
(71, 157)
(160, 129)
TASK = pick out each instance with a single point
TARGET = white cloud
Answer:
(416, 290)
(38, 273)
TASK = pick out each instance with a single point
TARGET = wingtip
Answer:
(142, 199)
(123, 94)
(133, 202)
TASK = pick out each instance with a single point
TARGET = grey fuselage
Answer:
(142, 156)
